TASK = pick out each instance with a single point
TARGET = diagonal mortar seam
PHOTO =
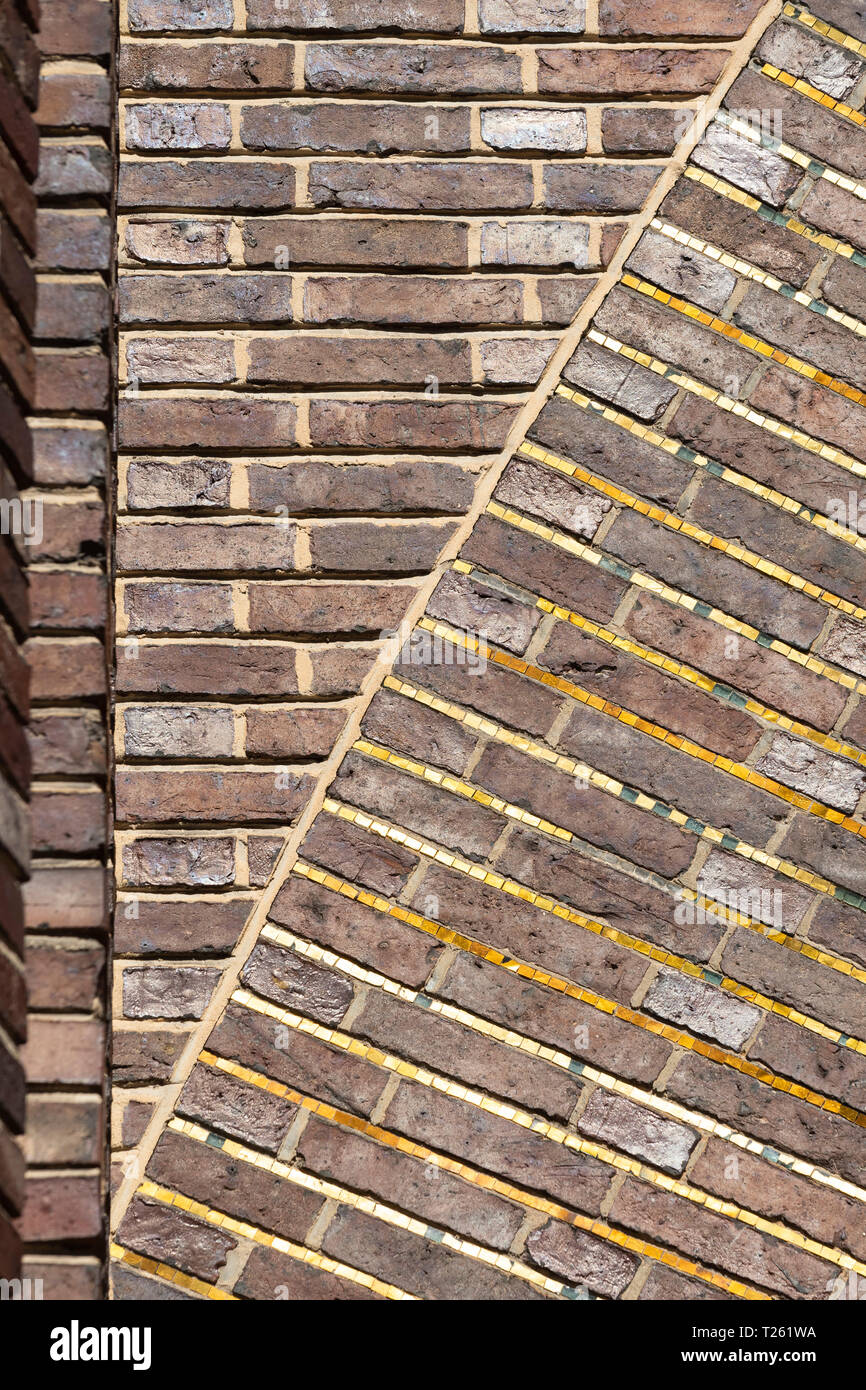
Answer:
(740, 54)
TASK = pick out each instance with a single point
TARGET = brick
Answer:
(580, 1259)
(666, 1285)
(765, 896)
(242, 422)
(620, 71)
(171, 360)
(66, 1051)
(438, 69)
(169, 862)
(71, 379)
(826, 1067)
(354, 854)
(199, 546)
(742, 664)
(552, 1018)
(405, 726)
(602, 446)
(551, 243)
(715, 579)
(222, 1102)
(331, 1075)
(216, 66)
(170, 926)
(828, 849)
(178, 126)
(68, 822)
(66, 1278)
(354, 930)
(541, 492)
(736, 229)
(701, 1009)
(159, 485)
(243, 1190)
(779, 1121)
(339, 361)
(802, 53)
(419, 1035)
(617, 380)
(428, 424)
(199, 297)
(808, 125)
(598, 188)
(270, 1275)
(178, 733)
(561, 296)
(761, 172)
(356, 241)
(169, 607)
(74, 167)
(469, 603)
(683, 271)
(528, 128)
(70, 28)
(160, 794)
(78, 310)
(543, 568)
(844, 645)
(638, 686)
(68, 600)
(187, 243)
(840, 928)
(61, 1208)
(798, 764)
(645, 324)
(295, 983)
(296, 733)
(170, 1236)
(617, 1121)
(515, 361)
(644, 130)
(63, 976)
(466, 1131)
(811, 407)
(69, 454)
(811, 336)
(74, 99)
(408, 300)
(429, 1192)
(531, 17)
(844, 14)
(355, 127)
(263, 851)
(717, 1241)
(360, 485)
(844, 284)
(421, 16)
(209, 183)
(781, 1196)
(393, 547)
(61, 1132)
(148, 15)
(73, 240)
(148, 1055)
(174, 992)
(375, 787)
(68, 897)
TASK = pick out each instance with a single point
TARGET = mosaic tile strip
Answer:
(563, 541)
(687, 455)
(753, 272)
(485, 798)
(392, 1216)
(821, 26)
(673, 522)
(511, 1038)
(799, 84)
(667, 663)
(771, 214)
(425, 1077)
(746, 340)
(487, 1181)
(794, 156)
(170, 1274)
(214, 1217)
(741, 771)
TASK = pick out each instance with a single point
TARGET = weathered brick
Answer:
(268, 1274)
(405, 726)
(295, 983)
(241, 422)
(159, 485)
(359, 485)
(439, 69)
(189, 242)
(617, 380)
(340, 361)
(798, 764)
(295, 733)
(78, 98)
(829, 1068)
(644, 130)
(145, 1056)
(761, 172)
(802, 53)
(222, 1102)
(551, 243)
(797, 330)
(808, 125)
(533, 129)
(620, 71)
(209, 183)
(60, 1208)
(148, 15)
(682, 271)
(68, 822)
(354, 854)
(407, 300)
(167, 361)
(356, 127)
(542, 492)
(167, 862)
(161, 926)
(178, 125)
(154, 606)
(170, 1235)
(373, 547)
(543, 568)
(199, 297)
(421, 16)
(669, 18)
(428, 424)
(175, 992)
(829, 849)
(531, 16)
(645, 324)
(617, 1121)
(581, 1259)
(356, 241)
(219, 65)
(156, 795)
(428, 186)
(183, 546)
(845, 644)
(598, 188)
(701, 1009)
(469, 603)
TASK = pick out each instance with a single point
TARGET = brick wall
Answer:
(63, 1222)
(19, 141)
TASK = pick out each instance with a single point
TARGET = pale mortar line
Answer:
(739, 56)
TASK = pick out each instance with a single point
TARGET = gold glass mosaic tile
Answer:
(487, 1181)
(496, 804)
(381, 1211)
(762, 277)
(169, 1274)
(773, 717)
(592, 556)
(745, 339)
(168, 1197)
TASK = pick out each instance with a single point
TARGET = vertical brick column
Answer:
(19, 147)
(66, 911)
